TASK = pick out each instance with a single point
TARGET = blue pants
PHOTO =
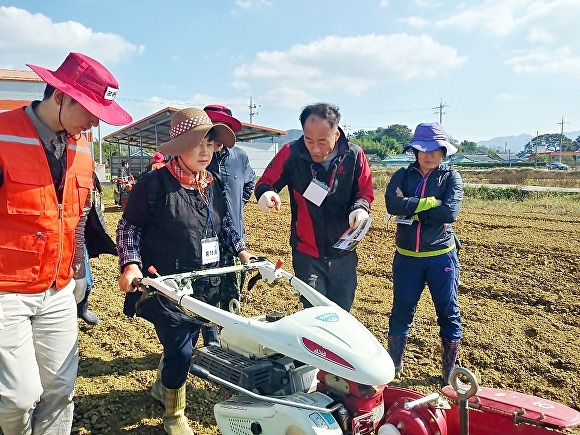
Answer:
(334, 278)
(441, 274)
(177, 332)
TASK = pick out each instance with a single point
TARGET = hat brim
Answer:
(107, 111)
(427, 146)
(224, 118)
(184, 142)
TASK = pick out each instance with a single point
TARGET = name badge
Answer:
(405, 220)
(316, 192)
(210, 250)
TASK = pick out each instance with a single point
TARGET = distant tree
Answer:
(108, 149)
(382, 141)
(401, 133)
(467, 147)
(576, 144)
(549, 142)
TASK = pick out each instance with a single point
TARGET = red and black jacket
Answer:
(314, 229)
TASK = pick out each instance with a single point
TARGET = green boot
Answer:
(174, 420)
(156, 392)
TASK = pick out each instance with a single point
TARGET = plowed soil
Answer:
(519, 301)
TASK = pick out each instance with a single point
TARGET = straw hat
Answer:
(222, 114)
(189, 127)
(90, 84)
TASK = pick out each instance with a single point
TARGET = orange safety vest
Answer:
(37, 234)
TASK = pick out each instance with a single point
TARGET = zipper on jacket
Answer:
(60, 242)
(421, 195)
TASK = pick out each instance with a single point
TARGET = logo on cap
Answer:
(110, 93)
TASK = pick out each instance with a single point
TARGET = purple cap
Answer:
(430, 136)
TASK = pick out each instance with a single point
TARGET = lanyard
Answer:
(209, 220)
(332, 175)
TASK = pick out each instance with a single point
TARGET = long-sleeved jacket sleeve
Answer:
(448, 211)
(249, 181)
(274, 177)
(399, 205)
(364, 195)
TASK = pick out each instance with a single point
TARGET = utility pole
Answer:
(561, 136)
(252, 107)
(439, 110)
(536, 153)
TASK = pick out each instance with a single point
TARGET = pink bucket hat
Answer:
(158, 157)
(90, 84)
(222, 114)
(189, 127)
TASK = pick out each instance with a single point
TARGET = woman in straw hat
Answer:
(176, 221)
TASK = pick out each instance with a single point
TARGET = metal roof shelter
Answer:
(153, 130)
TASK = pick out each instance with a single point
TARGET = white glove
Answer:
(80, 289)
(269, 200)
(387, 217)
(357, 217)
(438, 202)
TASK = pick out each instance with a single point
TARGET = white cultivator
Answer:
(320, 371)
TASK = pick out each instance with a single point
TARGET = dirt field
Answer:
(519, 302)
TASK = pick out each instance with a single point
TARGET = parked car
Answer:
(557, 165)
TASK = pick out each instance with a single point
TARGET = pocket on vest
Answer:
(20, 255)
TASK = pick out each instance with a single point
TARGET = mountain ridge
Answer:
(500, 143)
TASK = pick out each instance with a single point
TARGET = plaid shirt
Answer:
(129, 238)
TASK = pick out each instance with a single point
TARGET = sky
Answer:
(497, 67)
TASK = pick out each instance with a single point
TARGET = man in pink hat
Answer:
(45, 182)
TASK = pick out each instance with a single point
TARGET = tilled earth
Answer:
(519, 302)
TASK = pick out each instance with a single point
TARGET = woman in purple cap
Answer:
(45, 181)
(425, 199)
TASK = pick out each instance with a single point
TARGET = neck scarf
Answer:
(197, 180)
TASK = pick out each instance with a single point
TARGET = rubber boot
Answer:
(449, 356)
(83, 310)
(210, 336)
(174, 420)
(156, 392)
(397, 344)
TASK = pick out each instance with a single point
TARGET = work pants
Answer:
(38, 361)
(334, 278)
(441, 274)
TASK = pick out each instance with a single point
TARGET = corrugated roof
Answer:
(19, 76)
(154, 130)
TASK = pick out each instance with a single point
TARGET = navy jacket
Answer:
(431, 230)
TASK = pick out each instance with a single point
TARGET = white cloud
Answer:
(540, 35)
(350, 65)
(499, 17)
(35, 38)
(250, 4)
(383, 3)
(417, 22)
(544, 61)
(502, 17)
(287, 98)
